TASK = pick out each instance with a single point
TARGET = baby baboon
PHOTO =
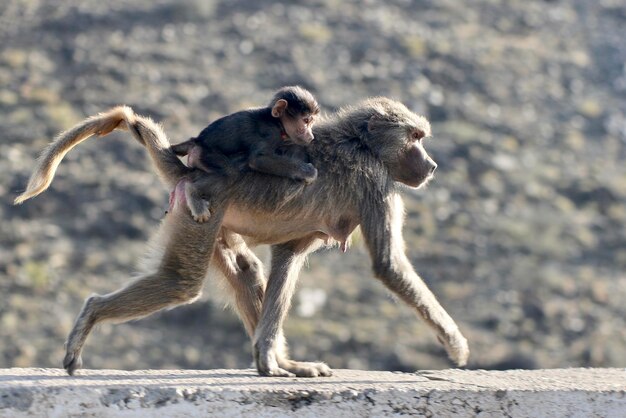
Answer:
(363, 153)
(263, 137)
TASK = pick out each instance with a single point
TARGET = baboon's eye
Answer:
(417, 135)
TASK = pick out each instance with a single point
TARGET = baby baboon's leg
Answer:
(198, 206)
(178, 279)
(244, 272)
(201, 187)
(269, 344)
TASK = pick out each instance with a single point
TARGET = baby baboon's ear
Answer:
(279, 108)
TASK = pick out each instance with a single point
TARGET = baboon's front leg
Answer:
(269, 343)
(178, 279)
(382, 231)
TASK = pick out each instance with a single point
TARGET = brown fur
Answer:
(362, 153)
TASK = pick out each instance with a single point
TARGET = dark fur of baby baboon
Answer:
(266, 139)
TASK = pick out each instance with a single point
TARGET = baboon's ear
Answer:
(279, 108)
(374, 121)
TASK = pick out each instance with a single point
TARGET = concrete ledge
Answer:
(241, 393)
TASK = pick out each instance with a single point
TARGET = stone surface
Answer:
(241, 393)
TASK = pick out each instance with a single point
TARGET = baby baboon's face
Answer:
(300, 128)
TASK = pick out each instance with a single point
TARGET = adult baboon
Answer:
(362, 153)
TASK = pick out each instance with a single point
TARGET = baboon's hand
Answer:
(309, 173)
(456, 347)
(72, 362)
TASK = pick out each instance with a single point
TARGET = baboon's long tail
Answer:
(51, 157)
(143, 129)
(150, 134)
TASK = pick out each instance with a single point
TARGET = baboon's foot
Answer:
(306, 368)
(265, 368)
(274, 372)
(201, 217)
(198, 206)
(199, 209)
(72, 362)
(267, 365)
(456, 347)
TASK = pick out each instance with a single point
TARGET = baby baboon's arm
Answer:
(265, 160)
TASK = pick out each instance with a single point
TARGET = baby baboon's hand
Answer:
(309, 173)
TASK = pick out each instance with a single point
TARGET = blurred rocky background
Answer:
(522, 235)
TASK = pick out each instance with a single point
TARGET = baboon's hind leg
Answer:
(146, 295)
(244, 275)
(270, 348)
(178, 279)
